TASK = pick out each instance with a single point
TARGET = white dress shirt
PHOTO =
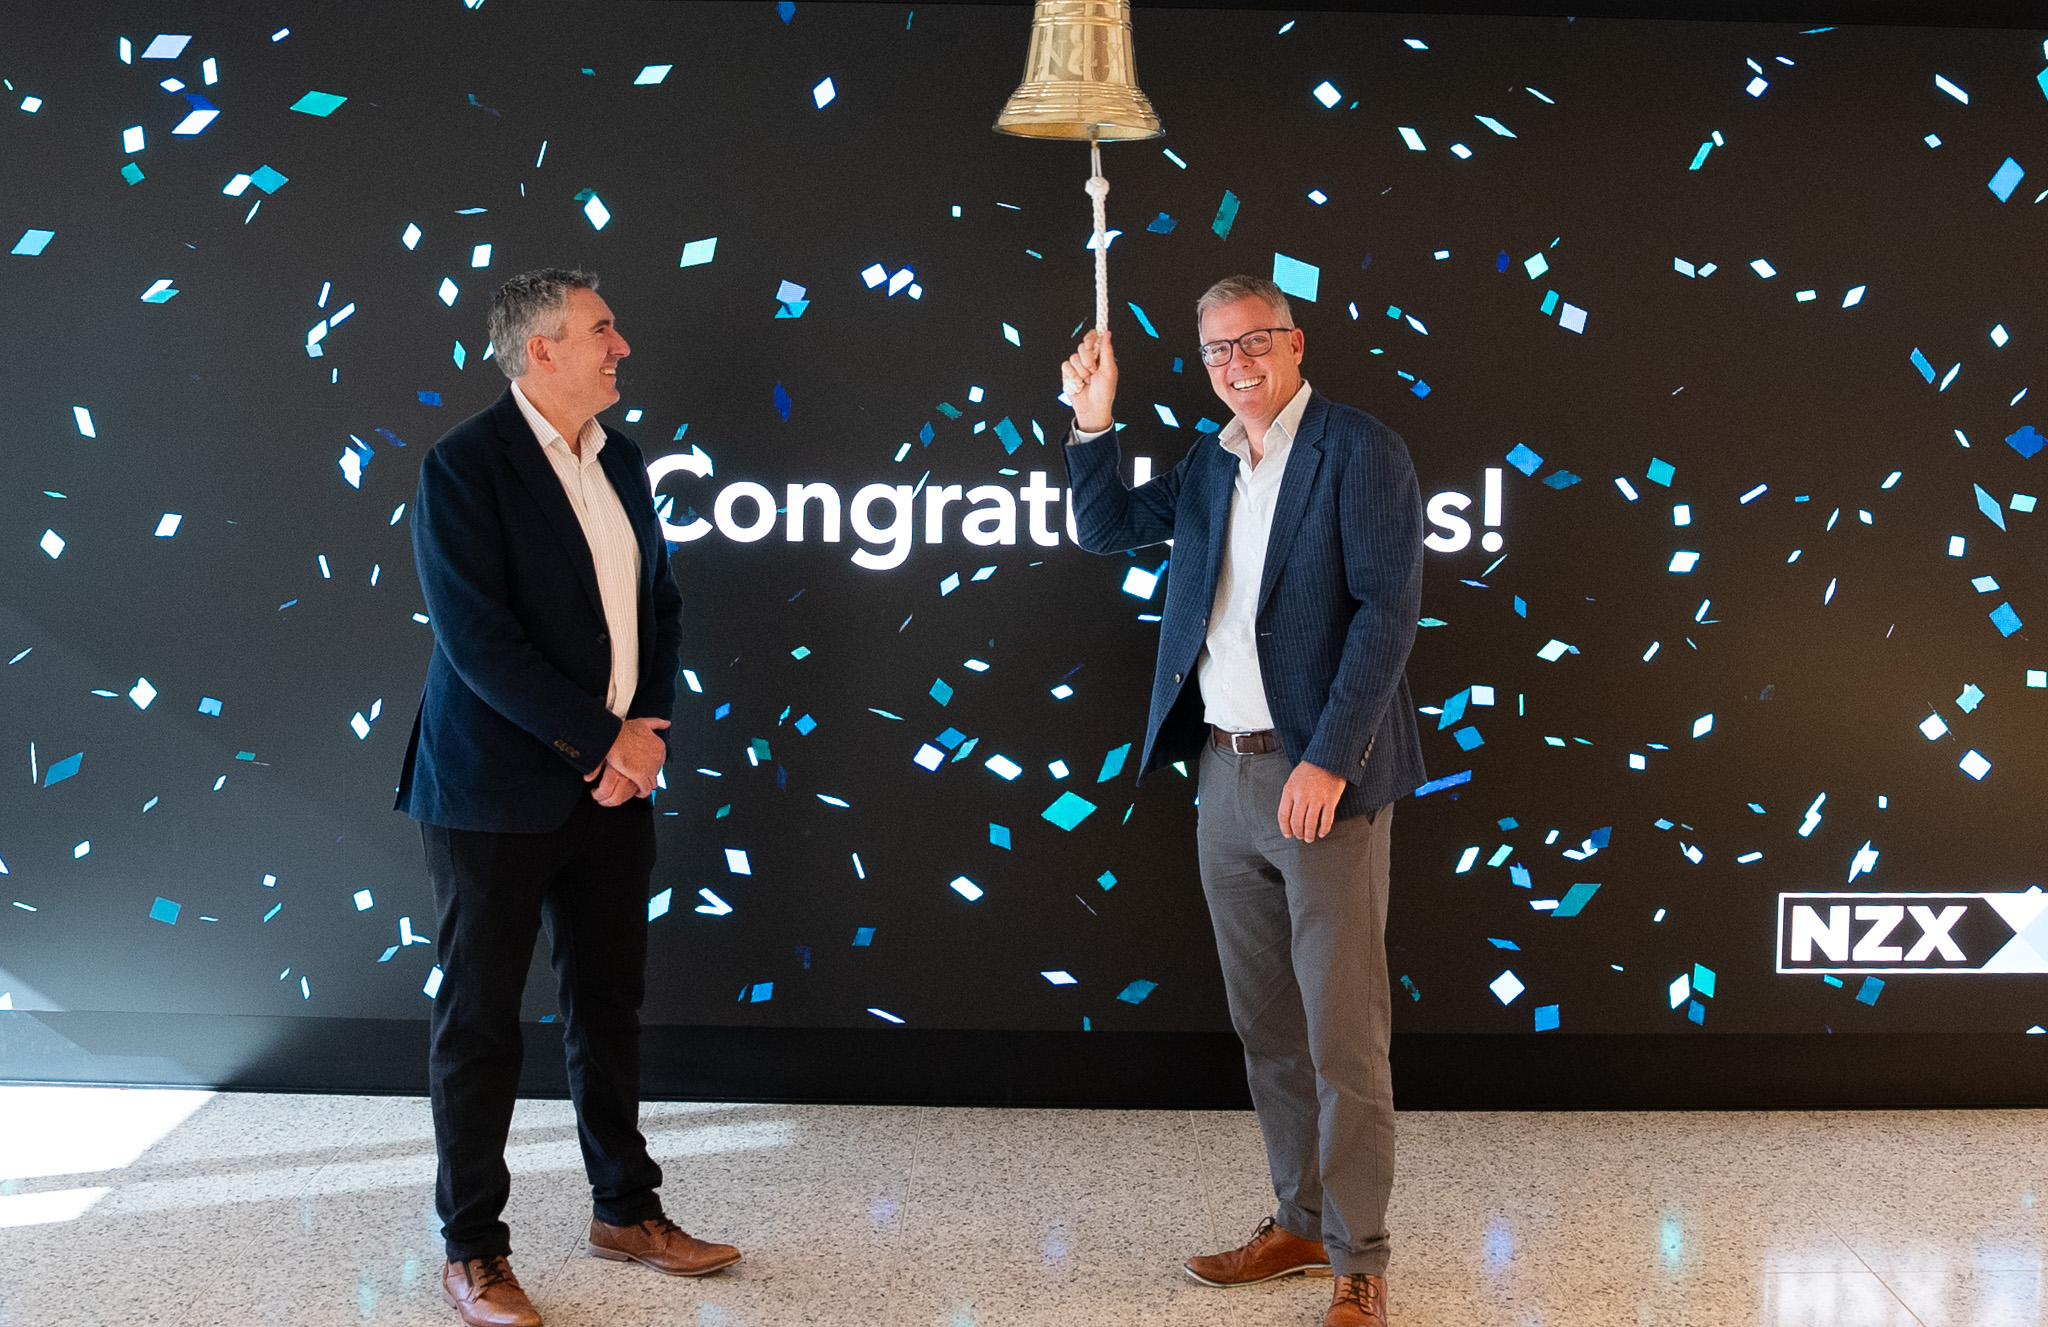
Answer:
(614, 550)
(1233, 691)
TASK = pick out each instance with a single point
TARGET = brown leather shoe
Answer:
(486, 1294)
(662, 1245)
(1271, 1252)
(1360, 1301)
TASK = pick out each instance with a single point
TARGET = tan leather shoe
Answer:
(662, 1245)
(1360, 1301)
(486, 1294)
(1271, 1252)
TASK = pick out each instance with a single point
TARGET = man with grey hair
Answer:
(1297, 580)
(557, 635)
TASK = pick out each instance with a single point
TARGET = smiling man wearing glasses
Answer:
(1296, 585)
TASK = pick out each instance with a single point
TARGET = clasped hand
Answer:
(630, 767)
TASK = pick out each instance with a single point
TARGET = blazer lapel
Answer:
(630, 483)
(1302, 463)
(523, 450)
(1223, 490)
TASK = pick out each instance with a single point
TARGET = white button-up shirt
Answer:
(1233, 691)
(614, 550)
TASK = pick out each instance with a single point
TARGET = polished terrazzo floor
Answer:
(130, 1207)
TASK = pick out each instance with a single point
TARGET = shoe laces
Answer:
(1360, 1290)
(659, 1225)
(1259, 1236)
(488, 1272)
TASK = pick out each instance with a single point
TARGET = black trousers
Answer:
(588, 882)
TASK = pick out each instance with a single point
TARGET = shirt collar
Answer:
(590, 443)
(1279, 434)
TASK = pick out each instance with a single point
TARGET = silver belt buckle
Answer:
(1234, 750)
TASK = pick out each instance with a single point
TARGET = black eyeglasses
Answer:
(1254, 344)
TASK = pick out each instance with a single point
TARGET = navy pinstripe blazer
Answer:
(1338, 599)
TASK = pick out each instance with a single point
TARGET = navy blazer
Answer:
(513, 714)
(1337, 604)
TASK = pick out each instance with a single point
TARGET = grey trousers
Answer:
(1301, 929)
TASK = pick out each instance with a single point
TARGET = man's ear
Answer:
(538, 351)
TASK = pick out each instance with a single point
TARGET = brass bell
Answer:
(1080, 80)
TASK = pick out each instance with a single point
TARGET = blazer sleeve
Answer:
(1110, 518)
(458, 545)
(1380, 519)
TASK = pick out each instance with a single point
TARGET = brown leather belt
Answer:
(1261, 743)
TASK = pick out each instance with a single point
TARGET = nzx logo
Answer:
(1968, 933)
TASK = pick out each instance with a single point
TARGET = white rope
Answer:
(1098, 189)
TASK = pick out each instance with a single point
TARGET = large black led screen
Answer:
(1713, 345)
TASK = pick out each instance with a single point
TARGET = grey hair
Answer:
(1231, 289)
(532, 304)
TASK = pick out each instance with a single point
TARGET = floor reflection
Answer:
(315, 1210)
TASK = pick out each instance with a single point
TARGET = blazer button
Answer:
(1176, 677)
(604, 638)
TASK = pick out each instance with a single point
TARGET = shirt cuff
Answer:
(1082, 436)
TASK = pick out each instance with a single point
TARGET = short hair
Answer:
(532, 304)
(1231, 289)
